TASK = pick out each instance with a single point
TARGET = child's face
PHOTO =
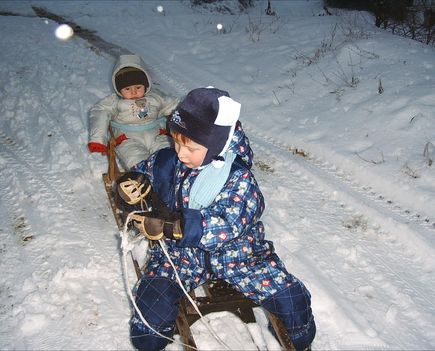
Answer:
(133, 92)
(190, 153)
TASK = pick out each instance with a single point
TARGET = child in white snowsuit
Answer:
(208, 213)
(136, 114)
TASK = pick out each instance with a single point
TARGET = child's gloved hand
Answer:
(134, 188)
(136, 194)
(158, 224)
(97, 147)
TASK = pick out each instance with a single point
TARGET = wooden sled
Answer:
(219, 296)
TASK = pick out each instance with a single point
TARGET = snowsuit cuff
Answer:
(192, 228)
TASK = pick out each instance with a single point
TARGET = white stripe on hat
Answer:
(229, 112)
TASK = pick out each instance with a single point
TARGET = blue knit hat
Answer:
(208, 117)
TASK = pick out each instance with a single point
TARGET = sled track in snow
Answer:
(33, 190)
(29, 178)
(52, 188)
(344, 183)
(11, 207)
(321, 168)
(28, 182)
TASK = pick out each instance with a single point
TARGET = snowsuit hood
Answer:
(240, 145)
(129, 61)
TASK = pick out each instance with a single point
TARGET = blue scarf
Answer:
(210, 182)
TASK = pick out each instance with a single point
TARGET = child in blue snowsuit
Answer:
(210, 224)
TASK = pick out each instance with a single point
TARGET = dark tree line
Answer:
(410, 18)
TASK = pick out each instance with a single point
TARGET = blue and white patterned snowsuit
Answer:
(223, 241)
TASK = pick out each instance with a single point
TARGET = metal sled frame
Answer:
(219, 295)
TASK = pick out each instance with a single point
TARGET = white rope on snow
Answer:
(203, 319)
(127, 246)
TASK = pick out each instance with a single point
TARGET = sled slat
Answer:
(281, 332)
(183, 327)
(108, 184)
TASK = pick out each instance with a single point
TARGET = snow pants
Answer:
(140, 146)
(290, 305)
(158, 300)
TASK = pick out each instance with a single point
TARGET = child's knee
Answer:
(157, 299)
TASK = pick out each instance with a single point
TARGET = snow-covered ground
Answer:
(355, 219)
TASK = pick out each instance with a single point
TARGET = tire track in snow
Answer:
(11, 209)
(10, 212)
(32, 184)
(26, 187)
(35, 172)
(338, 255)
(283, 157)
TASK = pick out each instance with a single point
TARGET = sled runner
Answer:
(219, 296)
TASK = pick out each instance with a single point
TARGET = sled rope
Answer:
(203, 319)
(127, 246)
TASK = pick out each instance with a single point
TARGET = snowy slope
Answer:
(354, 220)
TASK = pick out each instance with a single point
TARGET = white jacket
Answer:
(143, 134)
